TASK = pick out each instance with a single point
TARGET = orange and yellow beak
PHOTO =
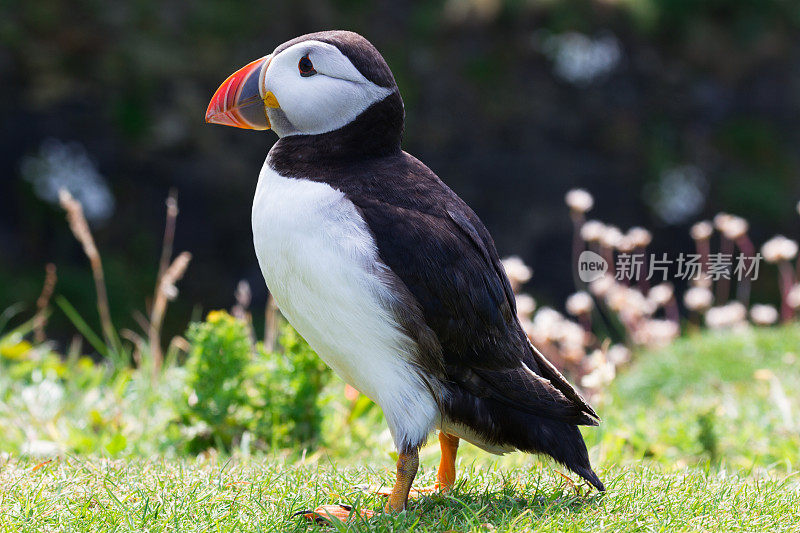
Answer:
(241, 100)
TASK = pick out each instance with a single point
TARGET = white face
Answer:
(315, 102)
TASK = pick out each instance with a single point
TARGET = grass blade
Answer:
(81, 325)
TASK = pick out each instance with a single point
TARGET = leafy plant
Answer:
(233, 388)
(215, 373)
(707, 436)
(291, 382)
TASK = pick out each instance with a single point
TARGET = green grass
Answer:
(702, 435)
(261, 495)
(712, 397)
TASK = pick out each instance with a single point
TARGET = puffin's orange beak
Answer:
(241, 101)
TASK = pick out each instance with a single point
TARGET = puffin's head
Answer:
(313, 84)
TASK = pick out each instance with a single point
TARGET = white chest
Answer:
(321, 265)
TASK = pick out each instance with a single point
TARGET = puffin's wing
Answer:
(538, 377)
(446, 258)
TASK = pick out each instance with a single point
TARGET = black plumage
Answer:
(454, 298)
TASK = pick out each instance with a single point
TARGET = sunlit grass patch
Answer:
(711, 397)
(93, 494)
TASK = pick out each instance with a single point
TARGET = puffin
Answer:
(389, 275)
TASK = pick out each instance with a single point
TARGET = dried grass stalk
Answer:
(169, 236)
(166, 292)
(80, 228)
(40, 318)
(242, 295)
(240, 310)
(137, 341)
(75, 347)
(270, 324)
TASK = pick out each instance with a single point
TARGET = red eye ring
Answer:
(306, 67)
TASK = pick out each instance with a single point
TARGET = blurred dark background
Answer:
(666, 110)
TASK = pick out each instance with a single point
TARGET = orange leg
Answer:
(407, 466)
(446, 476)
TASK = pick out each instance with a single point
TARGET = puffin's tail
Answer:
(564, 443)
(497, 423)
(589, 475)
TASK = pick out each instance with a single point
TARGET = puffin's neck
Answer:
(376, 132)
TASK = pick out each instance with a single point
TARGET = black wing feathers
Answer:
(446, 258)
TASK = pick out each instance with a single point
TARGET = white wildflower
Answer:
(579, 304)
(763, 315)
(661, 294)
(779, 248)
(611, 237)
(735, 227)
(656, 332)
(626, 244)
(630, 303)
(579, 200)
(595, 360)
(572, 337)
(526, 305)
(602, 286)
(618, 354)
(592, 230)
(702, 230)
(517, 271)
(726, 316)
(602, 372)
(793, 297)
(546, 324)
(640, 237)
(720, 219)
(698, 299)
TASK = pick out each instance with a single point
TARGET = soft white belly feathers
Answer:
(321, 265)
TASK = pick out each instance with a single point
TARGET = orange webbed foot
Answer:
(340, 511)
(407, 469)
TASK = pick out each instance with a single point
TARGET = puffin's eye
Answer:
(306, 67)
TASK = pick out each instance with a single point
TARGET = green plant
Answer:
(233, 388)
(290, 382)
(707, 436)
(53, 403)
(215, 373)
